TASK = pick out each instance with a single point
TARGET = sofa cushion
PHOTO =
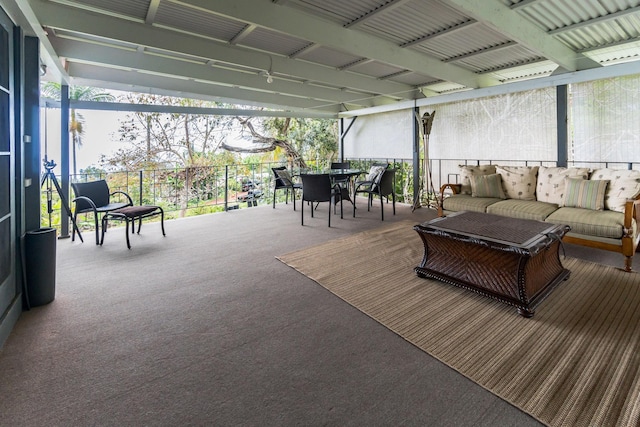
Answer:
(590, 222)
(468, 171)
(519, 182)
(523, 209)
(487, 186)
(624, 184)
(586, 194)
(466, 202)
(550, 184)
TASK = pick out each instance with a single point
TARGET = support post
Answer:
(64, 157)
(416, 157)
(343, 135)
(562, 118)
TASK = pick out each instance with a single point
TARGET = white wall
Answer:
(381, 136)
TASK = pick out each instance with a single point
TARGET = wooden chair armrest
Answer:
(455, 188)
(631, 212)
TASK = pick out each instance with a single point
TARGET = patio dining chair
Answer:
(343, 180)
(382, 187)
(284, 181)
(318, 188)
(373, 175)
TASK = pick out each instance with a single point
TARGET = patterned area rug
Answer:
(575, 363)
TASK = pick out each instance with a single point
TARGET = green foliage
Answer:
(312, 138)
(179, 161)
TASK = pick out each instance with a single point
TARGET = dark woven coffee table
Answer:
(515, 261)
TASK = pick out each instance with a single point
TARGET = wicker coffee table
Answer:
(511, 260)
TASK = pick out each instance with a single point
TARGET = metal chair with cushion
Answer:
(318, 188)
(382, 186)
(284, 181)
(94, 197)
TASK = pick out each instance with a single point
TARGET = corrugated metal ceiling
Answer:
(390, 49)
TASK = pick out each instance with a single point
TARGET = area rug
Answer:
(575, 363)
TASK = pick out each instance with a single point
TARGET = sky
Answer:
(100, 136)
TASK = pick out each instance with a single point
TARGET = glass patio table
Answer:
(337, 175)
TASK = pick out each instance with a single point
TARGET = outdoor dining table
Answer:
(337, 175)
(333, 172)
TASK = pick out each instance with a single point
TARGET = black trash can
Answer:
(40, 263)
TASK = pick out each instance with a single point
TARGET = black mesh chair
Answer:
(374, 174)
(341, 165)
(95, 197)
(283, 181)
(382, 187)
(341, 179)
(318, 188)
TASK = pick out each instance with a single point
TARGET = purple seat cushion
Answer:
(136, 211)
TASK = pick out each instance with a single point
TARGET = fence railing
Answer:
(206, 189)
(200, 190)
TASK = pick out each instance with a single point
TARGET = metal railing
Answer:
(206, 189)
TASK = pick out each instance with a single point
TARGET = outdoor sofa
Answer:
(601, 206)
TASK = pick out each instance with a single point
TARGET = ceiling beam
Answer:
(308, 48)
(389, 5)
(172, 109)
(105, 56)
(133, 81)
(446, 31)
(524, 3)
(152, 11)
(599, 19)
(500, 17)
(244, 33)
(76, 20)
(303, 25)
(481, 51)
(22, 12)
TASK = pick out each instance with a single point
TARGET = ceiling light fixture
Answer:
(267, 73)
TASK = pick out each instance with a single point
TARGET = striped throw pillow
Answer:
(487, 186)
(586, 194)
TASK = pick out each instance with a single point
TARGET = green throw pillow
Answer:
(487, 186)
(586, 194)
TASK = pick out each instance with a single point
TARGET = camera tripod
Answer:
(50, 179)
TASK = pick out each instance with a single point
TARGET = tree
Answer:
(297, 138)
(159, 139)
(266, 144)
(76, 120)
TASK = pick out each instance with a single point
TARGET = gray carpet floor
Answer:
(206, 327)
